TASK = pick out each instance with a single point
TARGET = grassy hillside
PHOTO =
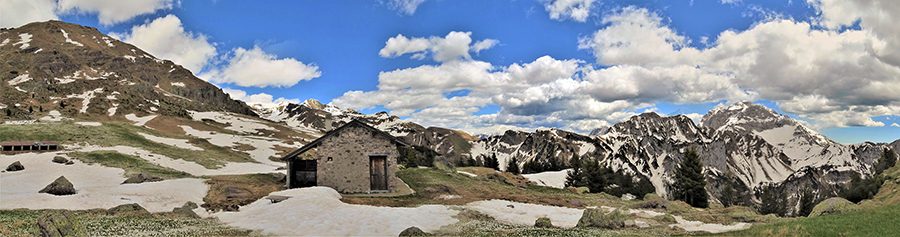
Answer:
(124, 134)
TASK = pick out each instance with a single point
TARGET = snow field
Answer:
(318, 211)
(265, 147)
(97, 186)
(556, 179)
(180, 143)
(139, 121)
(526, 214)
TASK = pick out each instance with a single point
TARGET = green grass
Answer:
(883, 221)
(131, 164)
(117, 133)
(22, 222)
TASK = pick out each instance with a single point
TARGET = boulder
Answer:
(141, 178)
(60, 160)
(186, 210)
(576, 203)
(59, 223)
(60, 186)
(414, 231)
(833, 206)
(132, 209)
(574, 190)
(15, 166)
(597, 218)
(232, 207)
(70, 162)
(543, 222)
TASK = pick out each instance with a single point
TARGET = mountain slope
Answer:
(79, 71)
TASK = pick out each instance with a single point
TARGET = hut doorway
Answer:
(378, 171)
(304, 173)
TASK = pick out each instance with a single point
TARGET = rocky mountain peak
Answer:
(313, 104)
(679, 127)
(746, 116)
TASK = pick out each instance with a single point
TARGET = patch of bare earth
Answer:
(228, 192)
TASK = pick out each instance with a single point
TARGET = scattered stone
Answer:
(543, 222)
(277, 198)
(141, 178)
(510, 206)
(576, 203)
(60, 186)
(414, 231)
(132, 209)
(15, 166)
(628, 197)
(60, 160)
(232, 207)
(833, 205)
(60, 223)
(186, 210)
(70, 162)
(596, 217)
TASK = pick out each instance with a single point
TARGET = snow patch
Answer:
(19, 80)
(180, 143)
(5, 41)
(178, 84)
(20, 89)
(130, 57)
(321, 213)
(54, 116)
(93, 124)
(467, 173)
(97, 186)
(556, 179)
(68, 40)
(526, 214)
(691, 226)
(108, 42)
(24, 38)
(86, 98)
(139, 121)
(186, 166)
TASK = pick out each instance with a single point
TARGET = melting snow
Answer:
(86, 97)
(556, 179)
(24, 38)
(139, 121)
(68, 40)
(94, 124)
(97, 186)
(130, 57)
(178, 84)
(187, 166)
(265, 147)
(19, 80)
(711, 228)
(318, 211)
(112, 111)
(108, 42)
(467, 173)
(180, 143)
(20, 89)
(526, 214)
(36, 51)
(54, 116)
(5, 41)
(238, 124)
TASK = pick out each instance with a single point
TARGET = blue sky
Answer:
(486, 66)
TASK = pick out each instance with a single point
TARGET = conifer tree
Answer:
(887, 160)
(690, 183)
(807, 202)
(411, 160)
(513, 166)
(574, 178)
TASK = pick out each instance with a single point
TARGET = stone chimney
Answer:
(327, 122)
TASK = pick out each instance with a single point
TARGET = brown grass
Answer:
(231, 190)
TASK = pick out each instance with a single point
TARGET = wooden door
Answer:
(378, 171)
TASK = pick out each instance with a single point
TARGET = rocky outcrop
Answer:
(141, 178)
(60, 186)
(59, 223)
(132, 209)
(833, 205)
(414, 231)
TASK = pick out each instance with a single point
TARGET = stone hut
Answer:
(354, 158)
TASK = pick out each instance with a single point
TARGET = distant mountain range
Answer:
(84, 74)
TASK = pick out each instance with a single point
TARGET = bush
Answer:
(543, 222)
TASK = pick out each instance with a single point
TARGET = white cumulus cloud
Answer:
(15, 13)
(577, 10)
(256, 68)
(454, 46)
(261, 99)
(166, 38)
(110, 12)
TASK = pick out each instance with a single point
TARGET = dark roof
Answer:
(319, 140)
(28, 143)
